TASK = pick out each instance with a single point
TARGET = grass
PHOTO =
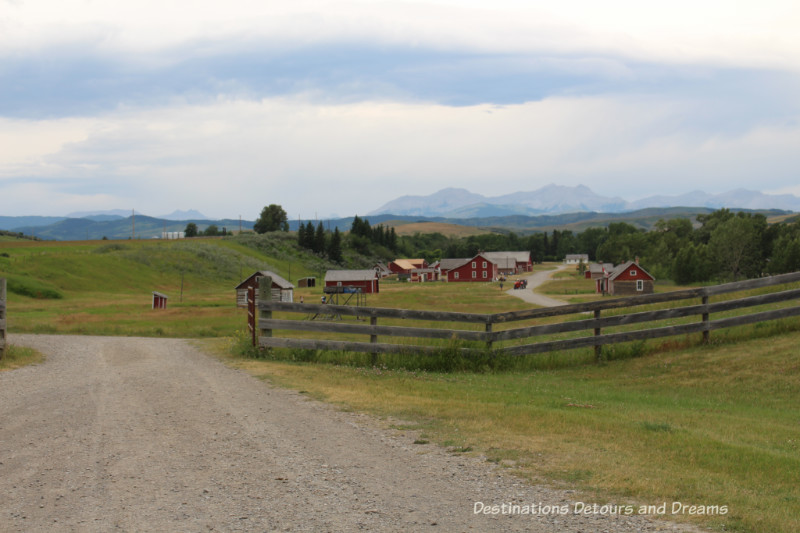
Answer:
(16, 357)
(659, 422)
(105, 287)
(706, 425)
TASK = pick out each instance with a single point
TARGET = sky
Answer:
(334, 108)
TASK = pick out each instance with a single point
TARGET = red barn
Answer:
(479, 268)
(629, 279)
(366, 280)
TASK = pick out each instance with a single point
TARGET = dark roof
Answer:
(276, 279)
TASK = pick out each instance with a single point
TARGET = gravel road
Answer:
(534, 280)
(135, 434)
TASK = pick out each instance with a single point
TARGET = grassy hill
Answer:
(105, 287)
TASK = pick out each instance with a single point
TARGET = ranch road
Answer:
(534, 280)
(136, 434)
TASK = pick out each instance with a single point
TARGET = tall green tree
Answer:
(334, 250)
(191, 230)
(319, 239)
(273, 218)
(736, 246)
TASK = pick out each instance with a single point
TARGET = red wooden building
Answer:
(479, 268)
(366, 280)
(627, 279)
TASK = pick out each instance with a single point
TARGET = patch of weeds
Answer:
(577, 475)
(242, 345)
(657, 427)
(461, 449)
(422, 441)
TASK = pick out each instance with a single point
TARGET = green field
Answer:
(673, 421)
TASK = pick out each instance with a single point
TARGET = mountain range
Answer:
(558, 199)
(550, 207)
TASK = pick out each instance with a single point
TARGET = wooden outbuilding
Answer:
(159, 300)
(629, 279)
(308, 282)
(574, 259)
(282, 290)
(405, 266)
(368, 281)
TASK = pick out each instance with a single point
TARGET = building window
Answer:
(632, 272)
(484, 264)
(474, 274)
(455, 275)
(639, 285)
(485, 274)
(474, 264)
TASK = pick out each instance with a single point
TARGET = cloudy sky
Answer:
(337, 107)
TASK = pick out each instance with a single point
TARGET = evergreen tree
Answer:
(319, 239)
(335, 246)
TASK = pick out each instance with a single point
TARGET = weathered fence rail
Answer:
(267, 324)
(2, 317)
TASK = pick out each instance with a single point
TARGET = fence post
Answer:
(706, 332)
(373, 339)
(251, 314)
(264, 295)
(598, 349)
(2, 317)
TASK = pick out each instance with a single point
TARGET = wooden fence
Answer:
(2, 317)
(520, 337)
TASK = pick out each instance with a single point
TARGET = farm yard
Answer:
(660, 421)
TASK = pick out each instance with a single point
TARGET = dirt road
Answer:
(534, 280)
(136, 434)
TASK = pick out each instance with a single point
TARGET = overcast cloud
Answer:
(338, 107)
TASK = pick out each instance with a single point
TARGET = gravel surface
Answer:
(536, 279)
(135, 434)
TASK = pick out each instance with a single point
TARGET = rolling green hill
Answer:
(105, 287)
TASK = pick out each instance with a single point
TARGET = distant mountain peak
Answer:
(559, 199)
(191, 214)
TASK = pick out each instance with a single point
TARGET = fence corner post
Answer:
(598, 349)
(489, 337)
(264, 297)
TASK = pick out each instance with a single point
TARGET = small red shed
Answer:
(159, 300)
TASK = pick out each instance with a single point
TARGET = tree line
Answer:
(718, 246)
